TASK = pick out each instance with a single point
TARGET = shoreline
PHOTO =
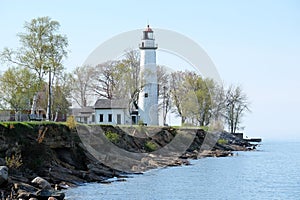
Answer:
(55, 153)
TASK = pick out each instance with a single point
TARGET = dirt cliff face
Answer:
(56, 153)
(49, 150)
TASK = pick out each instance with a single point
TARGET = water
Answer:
(273, 172)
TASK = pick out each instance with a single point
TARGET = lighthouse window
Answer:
(145, 35)
(146, 95)
(150, 35)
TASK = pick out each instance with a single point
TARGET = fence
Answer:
(27, 117)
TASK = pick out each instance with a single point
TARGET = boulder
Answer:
(3, 174)
(41, 183)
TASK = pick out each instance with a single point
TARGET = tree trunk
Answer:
(183, 120)
(33, 107)
(49, 98)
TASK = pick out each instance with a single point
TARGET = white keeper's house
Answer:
(111, 112)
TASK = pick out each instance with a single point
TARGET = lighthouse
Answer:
(148, 96)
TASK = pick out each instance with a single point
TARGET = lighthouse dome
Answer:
(148, 29)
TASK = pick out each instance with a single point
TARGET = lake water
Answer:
(272, 172)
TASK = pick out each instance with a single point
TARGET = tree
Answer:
(166, 102)
(218, 107)
(193, 97)
(178, 93)
(17, 86)
(132, 77)
(108, 81)
(42, 51)
(62, 92)
(197, 105)
(81, 84)
(164, 96)
(236, 106)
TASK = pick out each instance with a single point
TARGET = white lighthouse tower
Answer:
(148, 97)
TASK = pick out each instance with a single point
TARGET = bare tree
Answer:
(236, 106)
(132, 77)
(103, 80)
(110, 80)
(218, 100)
(81, 79)
(166, 102)
(164, 96)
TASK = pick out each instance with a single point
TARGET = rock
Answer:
(33, 198)
(26, 191)
(61, 186)
(48, 194)
(25, 187)
(23, 194)
(2, 161)
(99, 170)
(214, 153)
(19, 178)
(41, 183)
(52, 198)
(3, 174)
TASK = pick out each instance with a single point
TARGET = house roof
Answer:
(111, 104)
(82, 111)
(74, 111)
(87, 109)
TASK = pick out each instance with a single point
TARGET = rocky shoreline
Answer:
(40, 159)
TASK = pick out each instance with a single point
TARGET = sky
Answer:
(254, 44)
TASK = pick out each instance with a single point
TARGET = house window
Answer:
(109, 117)
(118, 118)
(93, 118)
(146, 95)
(101, 118)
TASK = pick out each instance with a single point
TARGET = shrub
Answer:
(150, 146)
(113, 137)
(222, 141)
(141, 123)
(71, 123)
(14, 162)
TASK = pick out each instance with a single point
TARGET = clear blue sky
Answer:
(253, 43)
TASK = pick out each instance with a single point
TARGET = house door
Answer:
(118, 118)
(133, 119)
